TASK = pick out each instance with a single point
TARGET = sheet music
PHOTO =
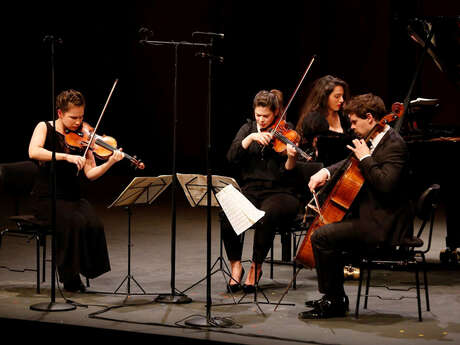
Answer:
(241, 213)
(142, 190)
(195, 187)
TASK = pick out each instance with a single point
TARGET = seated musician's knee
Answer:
(321, 237)
(317, 238)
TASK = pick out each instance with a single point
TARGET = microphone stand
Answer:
(52, 305)
(174, 296)
(199, 320)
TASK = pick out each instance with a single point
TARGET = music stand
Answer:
(173, 297)
(195, 187)
(141, 191)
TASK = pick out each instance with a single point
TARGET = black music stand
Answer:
(173, 297)
(140, 191)
(196, 189)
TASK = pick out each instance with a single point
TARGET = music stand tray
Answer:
(140, 191)
(195, 187)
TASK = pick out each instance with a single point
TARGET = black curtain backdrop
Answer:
(265, 46)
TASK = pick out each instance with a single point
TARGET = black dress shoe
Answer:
(314, 303)
(235, 287)
(326, 308)
(249, 288)
(74, 285)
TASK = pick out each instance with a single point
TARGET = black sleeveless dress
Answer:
(80, 239)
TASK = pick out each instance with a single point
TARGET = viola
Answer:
(282, 136)
(102, 147)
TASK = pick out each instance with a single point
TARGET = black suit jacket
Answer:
(384, 211)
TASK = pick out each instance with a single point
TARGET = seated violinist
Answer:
(381, 213)
(264, 176)
(80, 239)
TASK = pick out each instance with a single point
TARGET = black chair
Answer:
(292, 233)
(408, 256)
(16, 182)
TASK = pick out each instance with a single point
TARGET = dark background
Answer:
(265, 46)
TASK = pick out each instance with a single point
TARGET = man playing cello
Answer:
(381, 214)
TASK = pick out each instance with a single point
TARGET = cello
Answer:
(338, 201)
(348, 181)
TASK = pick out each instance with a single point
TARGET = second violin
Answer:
(282, 136)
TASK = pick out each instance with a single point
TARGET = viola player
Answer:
(381, 214)
(80, 239)
(264, 180)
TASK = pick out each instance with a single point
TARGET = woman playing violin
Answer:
(381, 214)
(264, 179)
(81, 245)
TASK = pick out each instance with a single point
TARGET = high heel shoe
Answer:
(232, 288)
(74, 285)
(249, 288)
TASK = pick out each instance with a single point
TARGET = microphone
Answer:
(219, 59)
(51, 38)
(145, 33)
(211, 34)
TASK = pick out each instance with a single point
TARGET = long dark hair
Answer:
(317, 100)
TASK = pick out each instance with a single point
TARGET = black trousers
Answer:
(329, 244)
(280, 208)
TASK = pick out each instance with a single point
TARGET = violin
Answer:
(282, 135)
(103, 146)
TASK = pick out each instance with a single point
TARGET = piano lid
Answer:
(444, 47)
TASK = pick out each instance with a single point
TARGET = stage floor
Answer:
(102, 312)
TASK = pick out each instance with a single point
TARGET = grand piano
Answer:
(434, 147)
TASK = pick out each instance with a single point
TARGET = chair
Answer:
(292, 233)
(16, 182)
(408, 255)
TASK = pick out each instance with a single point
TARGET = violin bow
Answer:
(93, 135)
(295, 92)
